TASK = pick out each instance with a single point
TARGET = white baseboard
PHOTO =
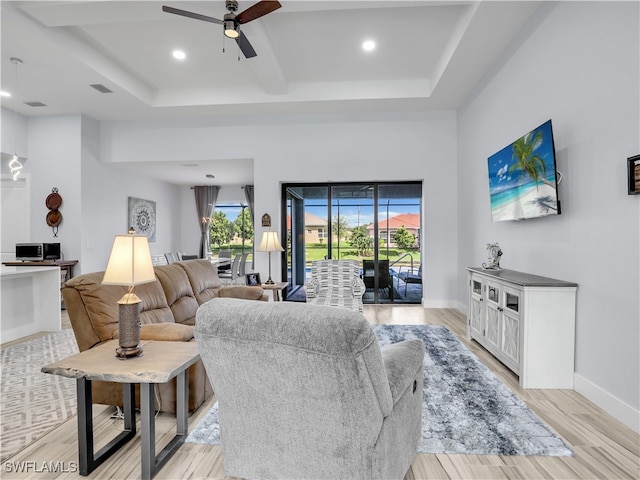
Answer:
(613, 406)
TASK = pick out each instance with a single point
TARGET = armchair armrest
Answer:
(357, 287)
(311, 288)
(402, 361)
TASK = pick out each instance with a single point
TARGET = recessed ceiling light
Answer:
(4, 94)
(179, 55)
(368, 45)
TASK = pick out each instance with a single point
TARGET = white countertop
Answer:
(8, 271)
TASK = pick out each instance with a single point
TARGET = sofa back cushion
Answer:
(93, 307)
(178, 292)
(203, 278)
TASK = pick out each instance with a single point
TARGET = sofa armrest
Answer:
(311, 288)
(165, 332)
(242, 292)
(403, 361)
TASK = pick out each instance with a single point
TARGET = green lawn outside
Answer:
(317, 251)
(248, 247)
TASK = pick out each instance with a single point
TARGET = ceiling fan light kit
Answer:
(231, 30)
(232, 22)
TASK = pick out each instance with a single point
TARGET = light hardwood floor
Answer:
(604, 448)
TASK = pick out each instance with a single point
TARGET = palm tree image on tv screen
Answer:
(522, 177)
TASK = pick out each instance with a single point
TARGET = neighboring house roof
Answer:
(310, 220)
(406, 220)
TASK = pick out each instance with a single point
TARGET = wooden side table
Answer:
(276, 288)
(155, 366)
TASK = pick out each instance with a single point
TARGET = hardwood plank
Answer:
(604, 448)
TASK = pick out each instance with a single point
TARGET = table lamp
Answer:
(270, 243)
(130, 265)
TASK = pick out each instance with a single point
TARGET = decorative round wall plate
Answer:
(54, 200)
(54, 217)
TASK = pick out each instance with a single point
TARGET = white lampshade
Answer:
(270, 242)
(130, 262)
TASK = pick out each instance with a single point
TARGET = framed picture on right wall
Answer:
(633, 172)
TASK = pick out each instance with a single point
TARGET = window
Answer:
(231, 228)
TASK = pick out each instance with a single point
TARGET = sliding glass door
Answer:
(376, 223)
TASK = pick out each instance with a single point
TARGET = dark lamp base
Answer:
(269, 281)
(124, 353)
(128, 330)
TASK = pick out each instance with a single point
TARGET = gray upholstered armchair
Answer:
(335, 283)
(305, 391)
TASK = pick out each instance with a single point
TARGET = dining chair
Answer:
(242, 270)
(231, 275)
(171, 257)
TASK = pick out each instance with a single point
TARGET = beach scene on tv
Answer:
(522, 177)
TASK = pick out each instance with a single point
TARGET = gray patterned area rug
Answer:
(33, 402)
(466, 408)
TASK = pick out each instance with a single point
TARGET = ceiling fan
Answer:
(232, 21)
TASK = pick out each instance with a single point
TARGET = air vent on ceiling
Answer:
(101, 88)
(35, 104)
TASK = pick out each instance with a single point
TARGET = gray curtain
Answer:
(206, 197)
(248, 193)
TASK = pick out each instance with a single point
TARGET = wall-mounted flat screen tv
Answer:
(522, 177)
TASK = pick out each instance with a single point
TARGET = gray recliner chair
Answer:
(306, 392)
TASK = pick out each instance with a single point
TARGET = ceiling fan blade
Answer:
(197, 16)
(258, 10)
(245, 46)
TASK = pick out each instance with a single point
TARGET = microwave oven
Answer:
(34, 252)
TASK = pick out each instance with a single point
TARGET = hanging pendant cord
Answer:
(14, 164)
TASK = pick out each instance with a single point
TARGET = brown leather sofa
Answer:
(167, 313)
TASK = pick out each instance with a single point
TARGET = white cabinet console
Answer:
(30, 299)
(527, 322)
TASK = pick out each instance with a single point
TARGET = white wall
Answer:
(376, 147)
(13, 133)
(54, 146)
(579, 66)
(63, 152)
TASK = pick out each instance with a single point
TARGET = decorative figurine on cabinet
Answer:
(493, 254)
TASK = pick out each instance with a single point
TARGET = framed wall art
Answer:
(142, 217)
(633, 172)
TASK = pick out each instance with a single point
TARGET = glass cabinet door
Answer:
(512, 302)
(493, 294)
